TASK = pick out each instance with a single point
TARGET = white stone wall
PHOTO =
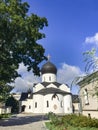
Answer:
(28, 105)
(48, 77)
(38, 103)
(68, 104)
(93, 114)
(93, 100)
(54, 103)
(92, 106)
(48, 103)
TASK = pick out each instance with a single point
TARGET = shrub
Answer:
(4, 116)
(77, 121)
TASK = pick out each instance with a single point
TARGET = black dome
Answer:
(49, 68)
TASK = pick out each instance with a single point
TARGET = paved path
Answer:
(23, 122)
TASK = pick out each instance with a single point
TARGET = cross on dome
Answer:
(48, 57)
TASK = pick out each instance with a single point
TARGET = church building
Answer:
(47, 96)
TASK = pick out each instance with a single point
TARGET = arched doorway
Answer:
(23, 108)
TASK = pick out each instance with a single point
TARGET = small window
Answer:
(35, 104)
(29, 107)
(61, 104)
(49, 78)
(47, 103)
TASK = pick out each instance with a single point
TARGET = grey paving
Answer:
(24, 122)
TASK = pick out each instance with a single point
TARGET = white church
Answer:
(47, 96)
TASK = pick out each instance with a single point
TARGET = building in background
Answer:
(89, 95)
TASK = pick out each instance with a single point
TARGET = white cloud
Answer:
(22, 84)
(22, 68)
(92, 39)
(67, 73)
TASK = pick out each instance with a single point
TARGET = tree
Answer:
(4, 92)
(91, 60)
(19, 35)
(13, 103)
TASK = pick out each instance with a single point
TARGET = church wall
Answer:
(68, 104)
(28, 105)
(76, 108)
(48, 77)
(38, 103)
(93, 114)
(55, 103)
(89, 101)
(92, 100)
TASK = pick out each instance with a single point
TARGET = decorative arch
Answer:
(55, 96)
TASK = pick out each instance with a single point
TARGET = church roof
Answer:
(46, 91)
(88, 79)
(47, 83)
(24, 96)
(48, 68)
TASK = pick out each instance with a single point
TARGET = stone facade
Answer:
(89, 99)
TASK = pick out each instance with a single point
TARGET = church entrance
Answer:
(23, 108)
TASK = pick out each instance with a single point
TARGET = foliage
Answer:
(19, 33)
(91, 60)
(11, 101)
(77, 122)
(4, 116)
(54, 118)
(4, 92)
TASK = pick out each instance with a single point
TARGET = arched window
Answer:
(47, 103)
(55, 96)
(86, 97)
(49, 78)
(61, 103)
(29, 107)
(35, 104)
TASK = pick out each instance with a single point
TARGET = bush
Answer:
(76, 121)
(4, 116)
(79, 121)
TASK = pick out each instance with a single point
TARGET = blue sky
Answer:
(70, 22)
(72, 30)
